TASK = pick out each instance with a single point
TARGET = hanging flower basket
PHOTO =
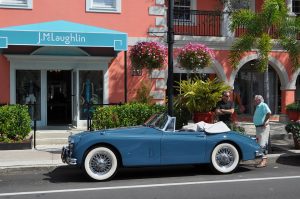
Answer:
(150, 55)
(194, 56)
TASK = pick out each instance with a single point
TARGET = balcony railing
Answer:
(240, 31)
(205, 23)
(197, 23)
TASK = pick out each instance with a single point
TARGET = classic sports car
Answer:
(156, 143)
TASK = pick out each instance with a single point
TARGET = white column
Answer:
(226, 32)
(289, 5)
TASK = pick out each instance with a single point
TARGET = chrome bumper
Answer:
(259, 154)
(66, 156)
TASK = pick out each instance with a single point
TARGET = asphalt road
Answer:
(280, 179)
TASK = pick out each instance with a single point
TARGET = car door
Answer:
(140, 148)
(182, 147)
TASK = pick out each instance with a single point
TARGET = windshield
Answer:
(157, 120)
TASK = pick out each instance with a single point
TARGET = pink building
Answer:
(62, 54)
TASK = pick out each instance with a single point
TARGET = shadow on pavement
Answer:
(73, 174)
(277, 150)
(66, 174)
(292, 159)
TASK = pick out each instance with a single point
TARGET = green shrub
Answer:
(294, 128)
(293, 106)
(237, 128)
(143, 94)
(14, 123)
(198, 95)
(125, 115)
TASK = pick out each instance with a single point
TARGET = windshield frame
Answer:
(160, 121)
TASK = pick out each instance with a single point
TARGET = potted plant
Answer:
(200, 97)
(194, 56)
(150, 55)
(293, 111)
(294, 128)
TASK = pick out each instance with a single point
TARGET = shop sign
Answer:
(61, 38)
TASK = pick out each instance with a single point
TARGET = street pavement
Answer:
(49, 155)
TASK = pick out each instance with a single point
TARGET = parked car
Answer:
(157, 143)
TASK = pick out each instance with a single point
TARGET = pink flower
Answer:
(194, 55)
(148, 55)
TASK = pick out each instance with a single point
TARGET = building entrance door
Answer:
(59, 97)
(250, 82)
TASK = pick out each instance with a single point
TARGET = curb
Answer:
(272, 158)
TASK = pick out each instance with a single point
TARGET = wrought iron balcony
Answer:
(205, 23)
(197, 23)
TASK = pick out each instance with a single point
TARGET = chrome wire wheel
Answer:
(101, 163)
(225, 158)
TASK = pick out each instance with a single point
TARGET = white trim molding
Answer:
(91, 6)
(292, 83)
(277, 65)
(17, 4)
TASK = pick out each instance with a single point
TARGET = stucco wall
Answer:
(133, 13)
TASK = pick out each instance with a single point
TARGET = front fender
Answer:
(246, 146)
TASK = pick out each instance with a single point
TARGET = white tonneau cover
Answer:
(219, 127)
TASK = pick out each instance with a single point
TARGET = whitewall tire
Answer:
(101, 163)
(225, 158)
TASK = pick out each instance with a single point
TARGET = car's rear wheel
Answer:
(101, 163)
(225, 158)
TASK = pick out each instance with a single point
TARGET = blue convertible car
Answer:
(156, 143)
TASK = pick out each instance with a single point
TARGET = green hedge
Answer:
(15, 123)
(123, 115)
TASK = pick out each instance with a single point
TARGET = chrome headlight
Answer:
(71, 142)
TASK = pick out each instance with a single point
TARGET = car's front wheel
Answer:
(225, 158)
(101, 163)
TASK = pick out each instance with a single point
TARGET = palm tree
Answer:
(258, 38)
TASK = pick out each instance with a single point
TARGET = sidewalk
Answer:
(49, 155)
(29, 158)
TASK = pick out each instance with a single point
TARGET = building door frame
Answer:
(45, 63)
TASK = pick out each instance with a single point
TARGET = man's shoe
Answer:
(262, 164)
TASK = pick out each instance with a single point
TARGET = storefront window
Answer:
(91, 92)
(28, 91)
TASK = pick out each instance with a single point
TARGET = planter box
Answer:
(296, 142)
(206, 117)
(293, 115)
(26, 144)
